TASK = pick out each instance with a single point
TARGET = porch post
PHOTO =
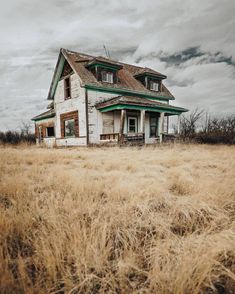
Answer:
(161, 125)
(142, 123)
(178, 124)
(167, 131)
(122, 122)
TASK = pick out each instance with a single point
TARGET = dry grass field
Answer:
(111, 220)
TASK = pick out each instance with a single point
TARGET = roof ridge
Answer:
(76, 52)
(117, 61)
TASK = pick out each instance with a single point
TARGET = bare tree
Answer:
(188, 123)
(25, 128)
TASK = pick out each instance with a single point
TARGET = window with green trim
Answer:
(153, 123)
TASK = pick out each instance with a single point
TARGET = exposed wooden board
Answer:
(108, 123)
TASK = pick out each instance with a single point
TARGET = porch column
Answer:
(167, 131)
(142, 123)
(161, 125)
(178, 124)
(122, 122)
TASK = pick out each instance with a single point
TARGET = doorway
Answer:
(132, 124)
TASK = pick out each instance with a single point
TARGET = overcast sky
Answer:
(192, 42)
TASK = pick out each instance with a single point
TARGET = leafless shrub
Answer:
(217, 130)
(200, 127)
(18, 137)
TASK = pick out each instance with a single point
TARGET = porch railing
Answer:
(124, 138)
(135, 137)
(109, 137)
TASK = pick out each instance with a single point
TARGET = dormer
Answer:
(152, 80)
(104, 70)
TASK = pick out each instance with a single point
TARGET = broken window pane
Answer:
(69, 128)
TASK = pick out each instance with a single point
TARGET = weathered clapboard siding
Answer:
(95, 121)
(76, 103)
(108, 123)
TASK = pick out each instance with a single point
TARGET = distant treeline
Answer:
(200, 127)
(18, 137)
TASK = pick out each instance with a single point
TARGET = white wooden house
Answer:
(95, 100)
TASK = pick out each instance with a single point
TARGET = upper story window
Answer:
(67, 88)
(107, 77)
(154, 86)
(104, 69)
(150, 79)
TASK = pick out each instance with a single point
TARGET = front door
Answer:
(132, 124)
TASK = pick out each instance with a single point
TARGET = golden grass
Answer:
(111, 220)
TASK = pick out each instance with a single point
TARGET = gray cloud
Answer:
(194, 44)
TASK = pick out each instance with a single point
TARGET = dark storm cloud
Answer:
(194, 44)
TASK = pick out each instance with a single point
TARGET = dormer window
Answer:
(154, 86)
(152, 80)
(105, 70)
(107, 77)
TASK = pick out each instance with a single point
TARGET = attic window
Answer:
(107, 77)
(154, 86)
(67, 88)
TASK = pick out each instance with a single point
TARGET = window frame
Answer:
(67, 88)
(106, 74)
(47, 132)
(152, 88)
(156, 125)
(136, 124)
(74, 130)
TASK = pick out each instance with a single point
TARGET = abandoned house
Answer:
(96, 100)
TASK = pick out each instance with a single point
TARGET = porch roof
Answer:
(48, 114)
(137, 103)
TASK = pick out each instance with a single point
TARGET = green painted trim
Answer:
(138, 107)
(58, 75)
(42, 118)
(155, 76)
(127, 92)
(103, 66)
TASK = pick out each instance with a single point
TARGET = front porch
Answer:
(131, 120)
(135, 127)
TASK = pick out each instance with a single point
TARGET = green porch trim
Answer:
(138, 107)
(127, 92)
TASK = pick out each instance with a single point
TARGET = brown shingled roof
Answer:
(104, 60)
(126, 79)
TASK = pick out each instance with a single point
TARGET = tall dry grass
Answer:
(110, 220)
